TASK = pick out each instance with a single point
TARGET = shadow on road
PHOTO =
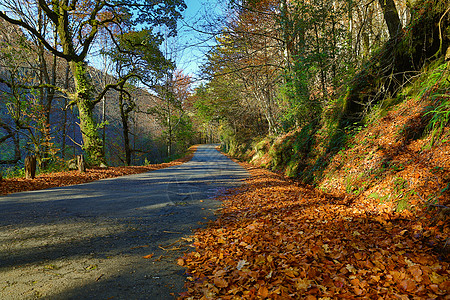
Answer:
(88, 241)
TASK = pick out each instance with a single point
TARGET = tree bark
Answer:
(124, 113)
(30, 167)
(92, 144)
(391, 17)
(81, 164)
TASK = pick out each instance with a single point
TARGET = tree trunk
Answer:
(64, 122)
(81, 164)
(391, 17)
(30, 167)
(92, 144)
(125, 129)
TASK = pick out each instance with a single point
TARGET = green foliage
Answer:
(290, 151)
(295, 99)
(440, 118)
(432, 87)
(184, 133)
(17, 171)
(382, 199)
(403, 194)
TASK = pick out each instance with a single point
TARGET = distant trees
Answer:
(171, 112)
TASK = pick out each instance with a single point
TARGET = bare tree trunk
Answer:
(124, 113)
(391, 17)
(30, 167)
(81, 164)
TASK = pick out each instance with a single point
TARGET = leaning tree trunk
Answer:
(391, 17)
(92, 144)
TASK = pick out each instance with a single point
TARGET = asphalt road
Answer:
(89, 241)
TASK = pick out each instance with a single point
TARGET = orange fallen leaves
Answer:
(276, 239)
(57, 179)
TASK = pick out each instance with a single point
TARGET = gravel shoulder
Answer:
(110, 239)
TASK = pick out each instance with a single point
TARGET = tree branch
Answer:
(34, 32)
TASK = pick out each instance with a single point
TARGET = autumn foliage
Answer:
(277, 239)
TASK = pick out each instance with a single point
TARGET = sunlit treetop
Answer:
(78, 22)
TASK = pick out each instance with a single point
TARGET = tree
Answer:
(77, 24)
(391, 17)
(26, 112)
(170, 112)
(138, 59)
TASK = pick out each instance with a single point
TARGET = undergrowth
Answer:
(357, 156)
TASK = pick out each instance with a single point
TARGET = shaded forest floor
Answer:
(57, 179)
(278, 239)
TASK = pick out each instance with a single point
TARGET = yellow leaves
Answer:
(181, 262)
(436, 278)
(221, 241)
(351, 268)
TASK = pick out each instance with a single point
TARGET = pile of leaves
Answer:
(278, 239)
(56, 179)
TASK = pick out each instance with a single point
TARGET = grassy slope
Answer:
(391, 158)
(399, 161)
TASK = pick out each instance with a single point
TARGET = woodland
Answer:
(341, 110)
(55, 104)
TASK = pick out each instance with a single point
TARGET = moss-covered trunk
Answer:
(399, 59)
(92, 144)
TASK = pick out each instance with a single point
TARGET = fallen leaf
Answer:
(180, 262)
(220, 282)
(416, 272)
(351, 268)
(302, 284)
(408, 285)
(263, 292)
(148, 256)
(436, 278)
(241, 264)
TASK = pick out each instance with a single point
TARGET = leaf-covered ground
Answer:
(277, 239)
(56, 179)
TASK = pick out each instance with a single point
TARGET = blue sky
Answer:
(191, 44)
(189, 47)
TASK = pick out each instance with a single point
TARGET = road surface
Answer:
(89, 241)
